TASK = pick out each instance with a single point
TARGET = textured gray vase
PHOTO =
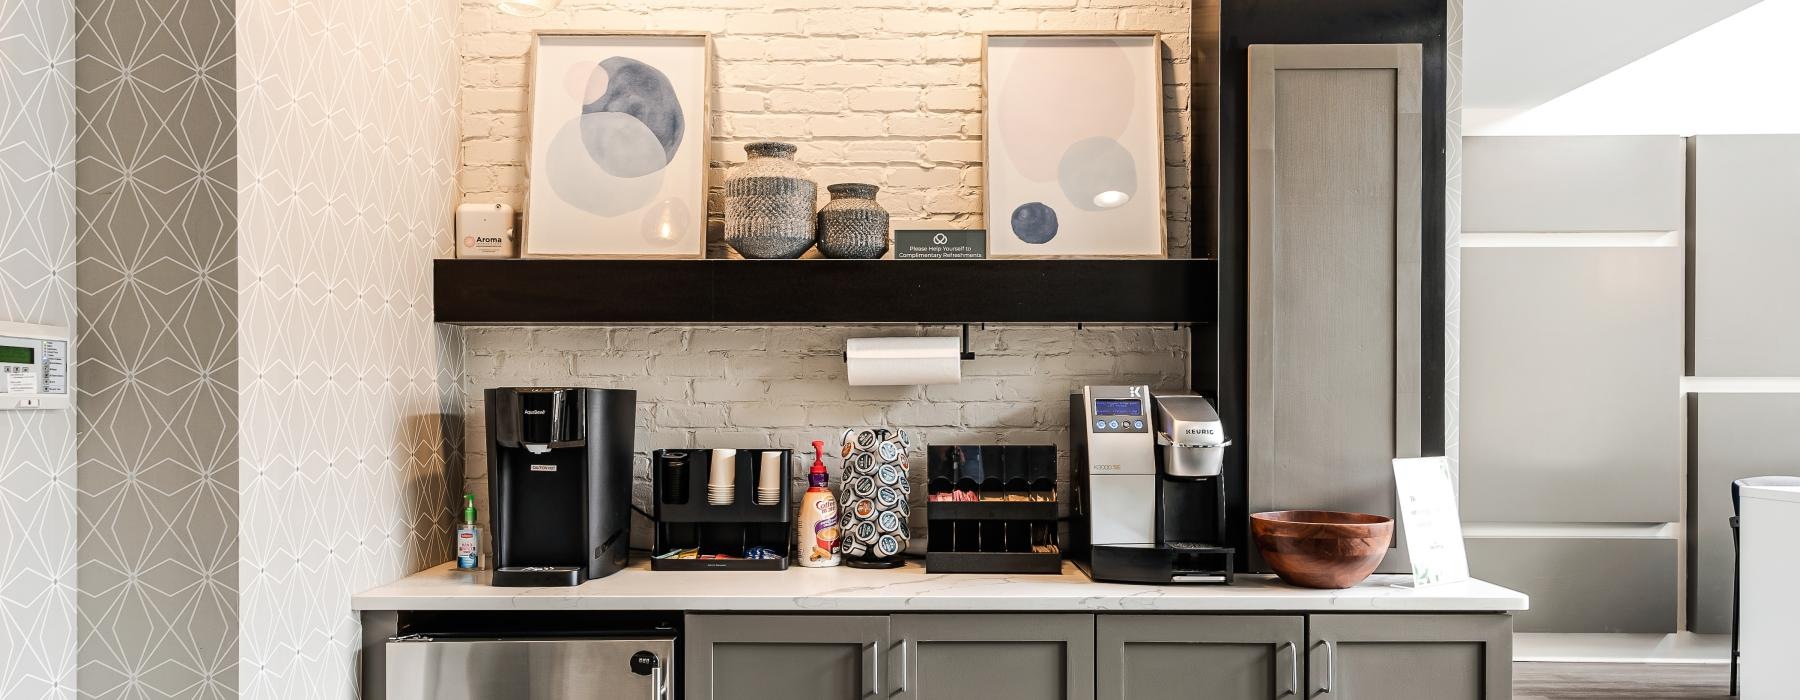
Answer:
(769, 204)
(852, 224)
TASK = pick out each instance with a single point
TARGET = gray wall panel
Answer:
(1737, 435)
(1746, 247)
(1573, 183)
(157, 244)
(1583, 584)
(1572, 361)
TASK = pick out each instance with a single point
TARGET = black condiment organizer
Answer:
(684, 518)
(1010, 528)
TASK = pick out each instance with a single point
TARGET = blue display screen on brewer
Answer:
(1118, 407)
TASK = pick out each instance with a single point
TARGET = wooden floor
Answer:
(1560, 681)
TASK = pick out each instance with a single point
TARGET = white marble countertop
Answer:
(911, 589)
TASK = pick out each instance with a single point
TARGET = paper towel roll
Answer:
(903, 361)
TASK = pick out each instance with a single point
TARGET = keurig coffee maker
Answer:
(559, 483)
(1149, 491)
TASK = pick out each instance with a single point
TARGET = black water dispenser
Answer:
(559, 483)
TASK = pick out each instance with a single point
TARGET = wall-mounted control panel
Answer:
(34, 366)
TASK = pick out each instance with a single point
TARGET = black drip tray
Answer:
(538, 576)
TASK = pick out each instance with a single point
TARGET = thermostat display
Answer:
(34, 366)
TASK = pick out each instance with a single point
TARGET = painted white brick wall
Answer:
(784, 386)
(881, 91)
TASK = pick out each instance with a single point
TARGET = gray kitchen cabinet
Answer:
(984, 657)
(1334, 349)
(1168, 657)
(1382, 657)
(757, 657)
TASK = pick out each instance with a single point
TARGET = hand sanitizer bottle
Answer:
(468, 538)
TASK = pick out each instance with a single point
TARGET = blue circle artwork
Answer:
(635, 126)
(1034, 222)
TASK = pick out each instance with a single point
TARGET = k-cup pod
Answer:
(862, 508)
(887, 546)
(888, 522)
(889, 474)
(865, 486)
(866, 439)
(887, 498)
(865, 531)
(889, 451)
(864, 462)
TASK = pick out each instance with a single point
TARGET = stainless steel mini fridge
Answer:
(456, 668)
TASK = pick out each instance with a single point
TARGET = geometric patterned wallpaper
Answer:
(37, 285)
(1453, 96)
(157, 396)
(347, 138)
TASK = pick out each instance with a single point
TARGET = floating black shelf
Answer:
(573, 292)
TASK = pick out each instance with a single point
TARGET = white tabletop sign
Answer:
(1432, 524)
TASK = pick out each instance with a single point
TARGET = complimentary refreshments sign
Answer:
(963, 244)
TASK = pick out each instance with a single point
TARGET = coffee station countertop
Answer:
(911, 589)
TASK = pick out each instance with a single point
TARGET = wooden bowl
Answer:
(1322, 548)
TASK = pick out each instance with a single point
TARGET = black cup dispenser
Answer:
(559, 483)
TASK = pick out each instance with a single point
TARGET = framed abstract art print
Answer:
(618, 141)
(1073, 141)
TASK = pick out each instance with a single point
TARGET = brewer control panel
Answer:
(34, 366)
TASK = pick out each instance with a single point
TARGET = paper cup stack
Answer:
(721, 482)
(768, 479)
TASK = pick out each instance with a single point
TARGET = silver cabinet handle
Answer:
(871, 669)
(1330, 668)
(659, 681)
(901, 670)
(1293, 669)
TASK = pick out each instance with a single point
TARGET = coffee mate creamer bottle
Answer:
(816, 539)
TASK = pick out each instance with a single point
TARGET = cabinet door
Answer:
(1168, 657)
(756, 657)
(1382, 657)
(986, 657)
(1335, 342)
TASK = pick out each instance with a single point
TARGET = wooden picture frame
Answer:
(1001, 228)
(687, 223)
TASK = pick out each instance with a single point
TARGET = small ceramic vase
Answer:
(769, 204)
(852, 224)
(874, 498)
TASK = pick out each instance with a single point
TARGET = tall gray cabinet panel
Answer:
(1334, 345)
(1571, 384)
(984, 657)
(1736, 435)
(1382, 657)
(1584, 584)
(1168, 657)
(1746, 248)
(757, 657)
